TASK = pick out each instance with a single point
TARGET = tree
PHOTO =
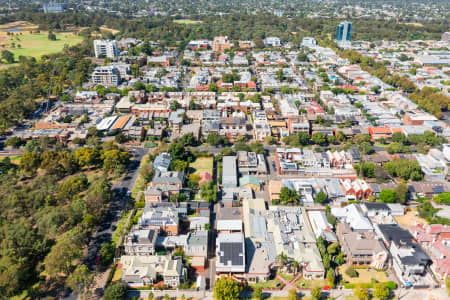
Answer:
(330, 277)
(30, 162)
(321, 197)
(361, 293)
(51, 36)
(282, 259)
(288, 196)
(61, 256)
(208, 192)
(13, 142)
(193, 181)
(227, 289)
(316, 293)
(351, 272)
(398, 137)
(81, 281)
(319, 138)
(8, 56)
(257, 293)
(120, 138)
(115, 291)
(257, 147)
(365, 148)
(333, 248)
(381, 291)
(387, 196)
(113, 159)
(106, 254)
(401, 192)
(215, 139)
(292, 294)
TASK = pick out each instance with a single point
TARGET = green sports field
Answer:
(36, 44)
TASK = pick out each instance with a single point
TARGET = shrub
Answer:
(390, 285)
(351, 272)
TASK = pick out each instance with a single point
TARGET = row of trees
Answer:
(45, 222)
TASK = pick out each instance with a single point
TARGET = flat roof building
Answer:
(229, 172)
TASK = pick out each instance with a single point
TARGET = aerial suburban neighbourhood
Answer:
(211, 150)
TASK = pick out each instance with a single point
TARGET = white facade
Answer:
(107, 48)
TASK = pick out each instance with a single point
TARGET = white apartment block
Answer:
(106, 48)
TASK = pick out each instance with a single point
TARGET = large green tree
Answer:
(226, 288)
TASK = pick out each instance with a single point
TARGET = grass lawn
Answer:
(380, 276)
(202, 164)
(14, 159)
(117, 274)
(308, 284)
(364, 275)
(37, 44)
(187, 21)
(120, 227)
(140, 183)
(288, 277)
(266, 285)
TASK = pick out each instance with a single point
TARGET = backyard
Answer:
(202, 164)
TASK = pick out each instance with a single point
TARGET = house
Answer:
(361, 247)
(230, 253)
(250, 181)
(298, 124)
(382, 132)
(261, 130)
(320, 225)
(169, 177)
(427, 189)
(197, 244)
(163, 60)
(272, 42)
(160, 193)
(145, 270)
(358, 188)
(232, 127)
(162, 162)
(372, 209)
(229, 172)
(251, 163)
(433, 166)
(141, 242)
(221, 43)
(163, 218)
(435, 240)
(229, 220)
(409, 260)
(353, 215)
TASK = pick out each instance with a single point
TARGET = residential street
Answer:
(112, 216)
